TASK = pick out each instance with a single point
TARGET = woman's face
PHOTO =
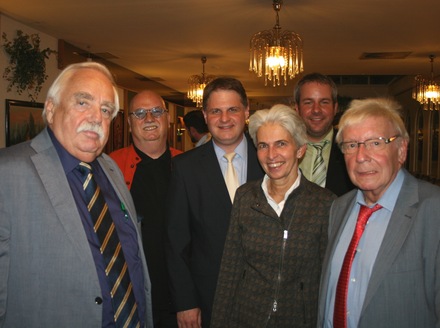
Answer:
(278, 153)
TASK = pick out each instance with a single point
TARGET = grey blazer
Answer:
(47, 274)
(404, 288)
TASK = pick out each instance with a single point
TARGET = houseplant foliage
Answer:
(27, 63)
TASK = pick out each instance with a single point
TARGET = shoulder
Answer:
(120, 153)
(175, 152)
(317, 191)
(197, 153)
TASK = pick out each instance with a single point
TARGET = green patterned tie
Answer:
(319, 171)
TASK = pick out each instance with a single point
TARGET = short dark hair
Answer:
(224, 83)
(196, 120)
(318, 78)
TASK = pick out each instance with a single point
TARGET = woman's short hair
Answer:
(282, 115)
(360, 110)
(59, 84)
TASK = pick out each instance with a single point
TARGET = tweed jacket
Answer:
(271, 265)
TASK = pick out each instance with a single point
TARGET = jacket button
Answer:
(127, 183)
(98, 300)
(132, 165)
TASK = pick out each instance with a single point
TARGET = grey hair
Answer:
(283, 115)
(360, 110)
(60, 83)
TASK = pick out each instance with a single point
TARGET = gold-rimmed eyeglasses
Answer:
(372, 145)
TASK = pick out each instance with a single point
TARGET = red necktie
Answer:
(340, 313)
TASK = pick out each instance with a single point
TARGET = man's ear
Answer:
(50, 109)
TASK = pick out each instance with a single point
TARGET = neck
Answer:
(153, 149)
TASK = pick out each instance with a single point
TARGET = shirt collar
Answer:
(389, 198)
(240, 150)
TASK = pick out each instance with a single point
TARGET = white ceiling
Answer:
(164, 40)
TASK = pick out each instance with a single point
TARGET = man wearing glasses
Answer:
(146, 165)
(381, 268)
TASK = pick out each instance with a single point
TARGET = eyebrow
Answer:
(88, 96)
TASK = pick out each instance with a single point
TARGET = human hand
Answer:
(190, 318)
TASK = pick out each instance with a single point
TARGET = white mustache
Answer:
(91, 127)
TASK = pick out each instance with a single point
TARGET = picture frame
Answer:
(23, 120)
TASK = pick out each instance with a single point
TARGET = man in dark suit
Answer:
(55, 268)
(389, 276)
(316, 100)
(199, 204)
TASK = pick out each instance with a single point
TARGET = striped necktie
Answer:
(340, 311)
(319, 172)
(231, 178)
(123, 301)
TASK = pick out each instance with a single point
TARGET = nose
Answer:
(316, 107)
(271, 152)
(224, 116)
(362, 153)
(96, 114)
(149, 117)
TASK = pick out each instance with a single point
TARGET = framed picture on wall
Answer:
(23, 120)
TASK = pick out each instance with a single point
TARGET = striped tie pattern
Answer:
(231, 177)
(340, 311)
(123, 301)
(319, 170)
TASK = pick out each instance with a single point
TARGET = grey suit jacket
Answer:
(404, 288)
(48, 276)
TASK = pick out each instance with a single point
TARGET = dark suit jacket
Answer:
(337, 180)
(48, 276)
(198, 218)
(404, 288)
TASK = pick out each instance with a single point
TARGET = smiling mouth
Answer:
(275, 165)
(150, 128)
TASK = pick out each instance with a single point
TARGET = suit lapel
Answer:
(50, 170)
(212, 172)
(397, 231)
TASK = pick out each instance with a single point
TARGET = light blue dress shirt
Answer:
(364, 260)
(239, 161)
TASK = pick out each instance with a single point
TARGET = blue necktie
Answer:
(123, 301)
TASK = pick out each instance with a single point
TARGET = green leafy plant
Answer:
(27, 63)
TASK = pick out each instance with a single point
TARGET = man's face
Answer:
(81, 120)
(150, 130)
(317, 109)
(374, 171)
(225, 116)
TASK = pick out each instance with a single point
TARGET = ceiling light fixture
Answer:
(197, 84)
(427, 92)
(276, 54)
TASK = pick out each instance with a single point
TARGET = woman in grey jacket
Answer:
(271, 264)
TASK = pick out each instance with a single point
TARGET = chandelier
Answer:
(427, 92)
(197, 84)
(276, 55)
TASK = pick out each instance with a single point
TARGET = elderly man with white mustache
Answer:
(146, 165)
(70, 246)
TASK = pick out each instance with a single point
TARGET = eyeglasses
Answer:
(141, 113)
(372, 145)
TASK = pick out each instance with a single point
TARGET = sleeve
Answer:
(178, 244)
(4, 256)
(231, 270)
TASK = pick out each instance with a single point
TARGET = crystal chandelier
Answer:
(197, 84)
(276, 55)
(427, 92)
